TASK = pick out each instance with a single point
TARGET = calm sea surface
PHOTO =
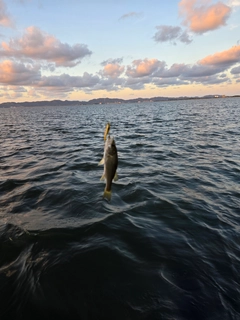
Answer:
(167, 246)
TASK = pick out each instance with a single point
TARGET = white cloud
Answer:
(234, 3)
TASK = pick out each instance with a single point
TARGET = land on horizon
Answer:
(105, 101)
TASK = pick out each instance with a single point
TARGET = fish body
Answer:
(110, 162)
(107, 128)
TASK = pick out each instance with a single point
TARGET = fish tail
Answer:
(107, 194)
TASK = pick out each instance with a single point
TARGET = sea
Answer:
(167, 245)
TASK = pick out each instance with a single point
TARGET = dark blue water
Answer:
(165, 247)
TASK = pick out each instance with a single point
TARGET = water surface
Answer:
(165, 247)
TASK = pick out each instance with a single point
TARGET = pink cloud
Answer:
(112, 70)
(200, 16)
(227, 57)
(36, 44)
(14, 73)
(142, 68)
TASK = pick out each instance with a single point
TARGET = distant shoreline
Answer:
(100, 101)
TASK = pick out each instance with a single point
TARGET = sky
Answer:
(86, 49)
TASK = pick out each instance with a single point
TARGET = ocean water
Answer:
(165, 247)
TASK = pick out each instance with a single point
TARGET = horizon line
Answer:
(139, 99)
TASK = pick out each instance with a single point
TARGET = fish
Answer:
(107, 128)
(110, 162)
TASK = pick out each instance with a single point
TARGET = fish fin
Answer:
(107, 194)
(115, 177)
(101, 162)
(102, 177)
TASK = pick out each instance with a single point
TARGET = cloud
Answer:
(170, 33)
(29, 75)
(209, 80)
(114, 76)
(36, 44)
(152, 71)
(5, 19)
(199, 70)
(110, 84)
(139, 73)
(67, 81)
(184, 37)
(130, 15)
(234, 3)
(235, 70)
(112, 68)
(162, 82)
(146, 67)
(225, 58)
(110, 61)
(12, 92)
(136, 83)
(174, 71)
(13, 73)
(200, 16)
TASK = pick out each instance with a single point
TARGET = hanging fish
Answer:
(110, 162)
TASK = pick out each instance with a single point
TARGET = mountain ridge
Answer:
(100, 101)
